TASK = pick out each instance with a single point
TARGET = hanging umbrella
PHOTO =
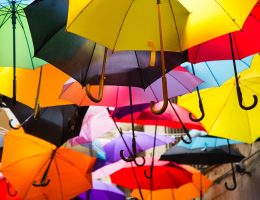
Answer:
(7, 192)
(224, 117)
(144, 116)
(245, 42)
(35, 88)
(60, 122)
(117, 96)
(91, 129)
(189, 191)
(15, 39)
(84, 60)
(173, 175)
(48, 172)
(144, 141)
(132, 28)
(104, 191)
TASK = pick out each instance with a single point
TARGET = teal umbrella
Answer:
(16, 46)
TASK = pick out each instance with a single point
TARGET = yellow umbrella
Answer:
(130, 24)
(133, 25)
(223, 115)
(28, 90)
(196, 188)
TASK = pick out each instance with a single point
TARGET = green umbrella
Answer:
(16, 46)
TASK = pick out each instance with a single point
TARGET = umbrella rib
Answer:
(6, 18)
(179, 82)
(225, 11)
(126, 13)
(154, 93)
(140, 69)
(26, 39)
(215, 78)
(175, 25)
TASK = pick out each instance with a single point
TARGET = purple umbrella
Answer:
(144, 141)
(102, 191)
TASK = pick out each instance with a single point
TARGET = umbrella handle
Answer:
(188, 135)
(231, 188)
(201, 110)
(101, 83)
(37, 110)
(19, 126)
(131, 158)
(165, 99)
(164, 81)
(9, 192)
(43, 183)
(240, 100)
(141, 164)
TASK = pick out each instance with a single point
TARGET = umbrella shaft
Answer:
(14, 50)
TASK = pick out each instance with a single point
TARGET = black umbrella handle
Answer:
(201, 109)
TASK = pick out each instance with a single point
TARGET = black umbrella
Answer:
(55, 124)
(83, 59)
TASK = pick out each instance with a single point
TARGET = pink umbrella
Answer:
(180, 80)
(95, 123)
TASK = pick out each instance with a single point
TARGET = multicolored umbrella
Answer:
(225, 118)
(48, 172)
(245, 42)
(144, 141)
(104, 191)
(189, 191)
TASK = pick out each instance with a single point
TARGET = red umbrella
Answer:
(169, 118)
(246, 42)
(165, 175)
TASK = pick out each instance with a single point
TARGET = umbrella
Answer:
(104, 191)
(132, 28)
(144, 141)
(214, 73)
(117, 96)
(224, 117)
(173, 175)
(35, 88)
(48, 172)
(245, 42)
(47, 21)
(15, 38)
(7, 191)
(60, 122)
(189, 191)
(91, 129)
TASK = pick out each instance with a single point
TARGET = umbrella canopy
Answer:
(215, 73)
(224, 117)
(189, 191)
(173, 175)
(48, 172)
(205, 155)
(133, 28)
(144, 141)
(24, 45)
(56, 124)
(144, 116)
(28, 84)
(91, 129)
(104, 191)
(47, 20)
(245, 42)
(179, 79)
(7, 192)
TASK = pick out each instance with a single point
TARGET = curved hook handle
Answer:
(230, 188)
(101, 83)
(165, 99)
(9, 192)
(202, 113)
(19, 126)
(149, 176)
(240, 100)
(141, 164)
(188, 135)
(127, 159)
(43, 183)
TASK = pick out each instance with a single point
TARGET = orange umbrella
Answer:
(51, 83)
(196, 188)
(40, 170)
